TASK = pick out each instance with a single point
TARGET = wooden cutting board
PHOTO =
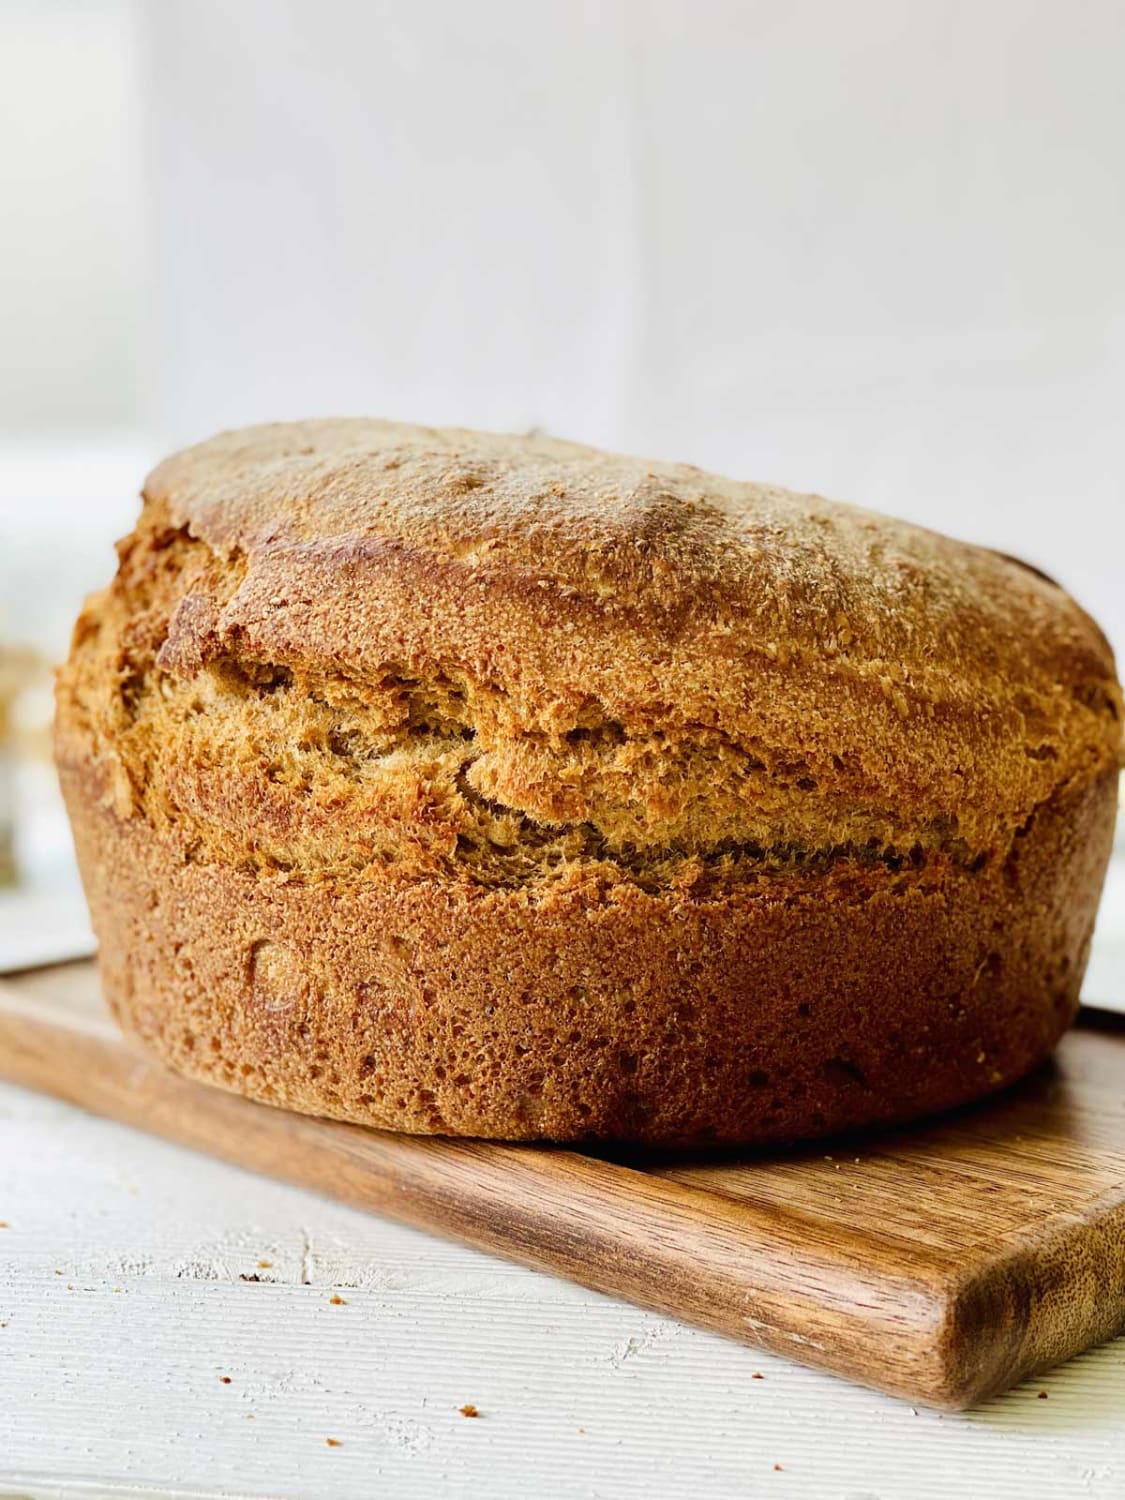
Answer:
(941, 1264)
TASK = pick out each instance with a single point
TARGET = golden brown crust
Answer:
(569, 583)
(647, 751)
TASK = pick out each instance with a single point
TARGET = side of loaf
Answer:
(496, 786)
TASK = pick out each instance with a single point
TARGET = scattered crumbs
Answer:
(242, 1276)
(58, 1273)
(115, 1288)
(224, 1380)
(250, 1416)
(757, 1375)
(778, 1469)
(4, 1224)
(332, 1442)
(469, 1410)
(265, 1265)
(337, 1301)
(582, 1430)
(4, 1324)
(1042, 1395)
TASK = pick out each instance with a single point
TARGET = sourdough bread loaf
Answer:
(497, 786)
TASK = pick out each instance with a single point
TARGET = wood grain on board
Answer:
(941, 1264)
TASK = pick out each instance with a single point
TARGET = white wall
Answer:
(69, 215)
(874, 249)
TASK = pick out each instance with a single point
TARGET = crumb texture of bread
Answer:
(535, 792)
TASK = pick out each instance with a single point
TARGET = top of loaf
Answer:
(668, 658)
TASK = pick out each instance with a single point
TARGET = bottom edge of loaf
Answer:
(626, 1017)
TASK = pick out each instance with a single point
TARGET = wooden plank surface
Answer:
(941, 1265)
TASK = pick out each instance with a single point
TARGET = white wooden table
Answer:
(172, 1326)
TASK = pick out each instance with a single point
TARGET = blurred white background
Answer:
(873, 249)
(870, 249)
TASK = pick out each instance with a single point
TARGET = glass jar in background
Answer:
(19, 667)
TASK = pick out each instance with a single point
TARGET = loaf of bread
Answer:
(496, 786)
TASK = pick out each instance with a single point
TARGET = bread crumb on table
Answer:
(333, 1442)
(468, 1410)
(224, 1380)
